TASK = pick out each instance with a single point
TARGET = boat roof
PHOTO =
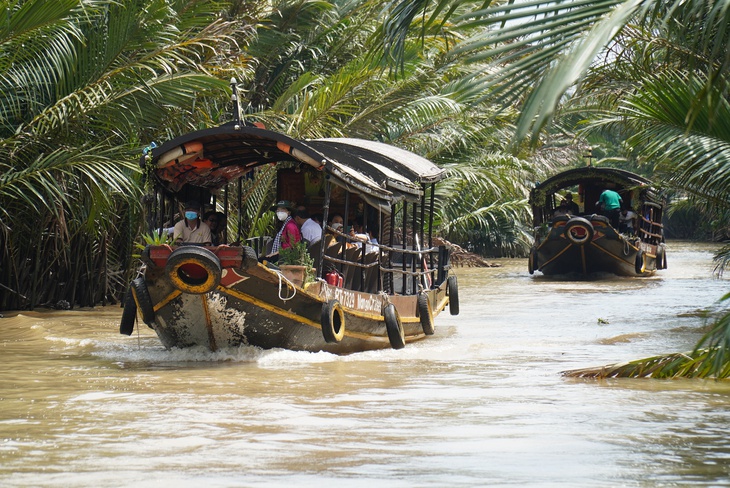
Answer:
(622, 179)
(379, 173)
(413, 166)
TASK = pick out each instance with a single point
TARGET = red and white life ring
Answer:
(190, 150)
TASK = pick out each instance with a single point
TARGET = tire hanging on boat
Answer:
(425, 313)
(661, 257)
(579, 231)
(193, 270)
(143, 300)
(640, 263)
(129, 314)
(452, 290)
(333, 321)
(394, 327)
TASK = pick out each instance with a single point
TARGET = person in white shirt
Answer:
(191, 229)
(627, 220)
(311, 230)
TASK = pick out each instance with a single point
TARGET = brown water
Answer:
(481, 403)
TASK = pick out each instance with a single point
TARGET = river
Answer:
(480, 403)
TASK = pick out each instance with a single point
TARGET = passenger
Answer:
(311, 230)
(573, 207)
(562, 209)
(191, 229)
(336, 222)
(318, 218)
(211, 219)
(610, 205)
(627, 221)
(357, 233)
(372, 244)
(288, 234)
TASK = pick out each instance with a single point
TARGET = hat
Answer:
(192, 204)
(283, 204)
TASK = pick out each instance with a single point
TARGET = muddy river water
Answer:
(480, 403)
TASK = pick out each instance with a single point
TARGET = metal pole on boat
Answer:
(234, 99)
(404, 242)
(325, 219)
(430, 223)
(240, 217)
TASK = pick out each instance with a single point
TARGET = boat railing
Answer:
(364, 271)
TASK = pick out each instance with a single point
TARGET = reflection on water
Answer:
(481, 403)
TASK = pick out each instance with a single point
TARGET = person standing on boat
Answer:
(191, 230)
(288, 234)
(610, 204)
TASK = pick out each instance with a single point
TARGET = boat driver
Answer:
(191, 229)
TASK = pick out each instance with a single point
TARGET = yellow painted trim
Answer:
(618, 258)
(290, 315)
(557, 255)
(167, 300)
(442, 305)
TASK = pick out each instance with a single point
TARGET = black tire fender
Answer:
(452, 290)
(579, 231)
(640, 263)
(425, 313)
(129, 314)
(143, 300)
(333, 321)
(394, 327)
(661, 257)
(193, 269)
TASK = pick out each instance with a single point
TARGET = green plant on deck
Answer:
(154, 239)
(298, 255)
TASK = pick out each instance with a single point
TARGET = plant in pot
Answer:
(296, 264)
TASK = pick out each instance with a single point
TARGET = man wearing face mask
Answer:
(289, 233)
(191, 229)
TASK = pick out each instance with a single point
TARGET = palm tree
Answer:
(325, 81)
(82, 82)
(657, 71)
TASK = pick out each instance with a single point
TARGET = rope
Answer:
(282, 277)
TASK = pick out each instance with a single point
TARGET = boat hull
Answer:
(258, 306)
(600, 249)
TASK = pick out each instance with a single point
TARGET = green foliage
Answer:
(298, 255)
(153, 239)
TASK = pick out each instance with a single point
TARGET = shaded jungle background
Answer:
(86, 85)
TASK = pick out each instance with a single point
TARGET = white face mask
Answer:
(337, 226)
(281, 215)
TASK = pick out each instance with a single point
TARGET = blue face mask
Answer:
(191, 215)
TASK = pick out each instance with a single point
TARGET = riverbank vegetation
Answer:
(500, 94)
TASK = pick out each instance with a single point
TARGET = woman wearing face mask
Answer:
(191, 229)
(288, 235)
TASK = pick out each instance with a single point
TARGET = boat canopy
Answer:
(616, 178)
(211, 158)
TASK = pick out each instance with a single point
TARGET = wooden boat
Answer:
(586, 242)
(224, 297)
